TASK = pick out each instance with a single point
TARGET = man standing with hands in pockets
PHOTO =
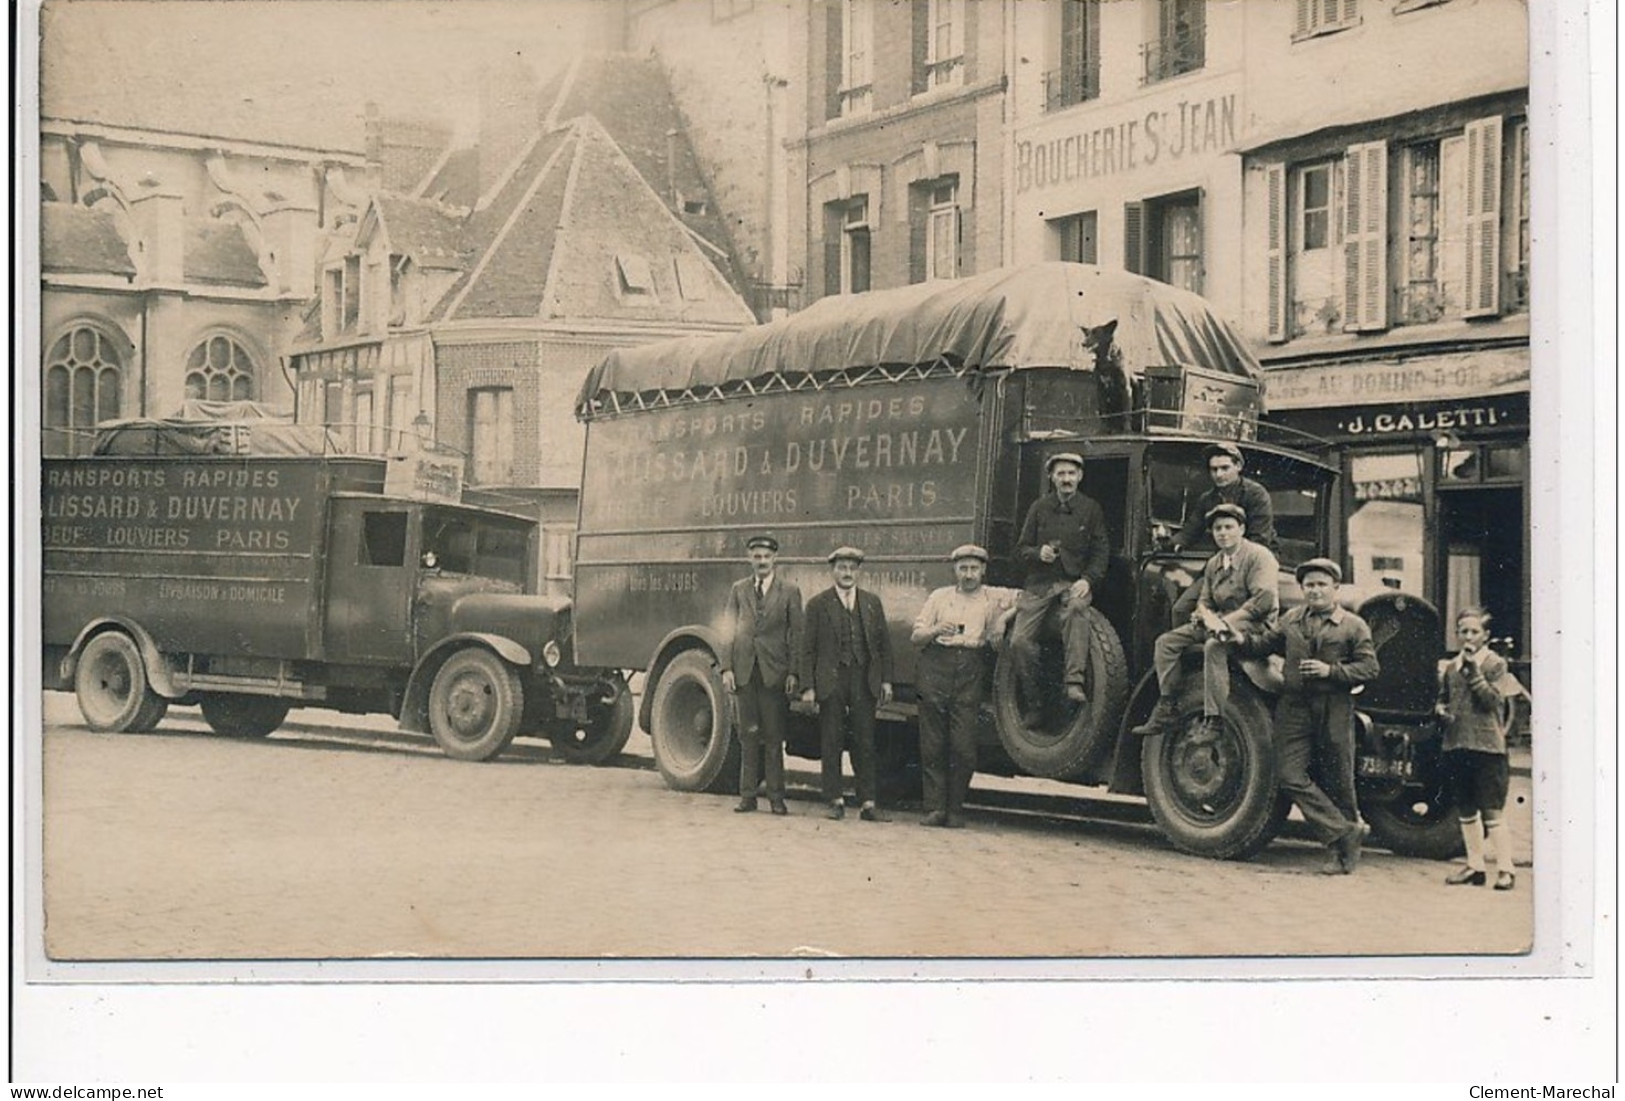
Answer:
(764, 622)
(953, 631)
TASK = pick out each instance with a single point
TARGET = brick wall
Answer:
(464, 367)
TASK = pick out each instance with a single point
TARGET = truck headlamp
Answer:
(552, 655)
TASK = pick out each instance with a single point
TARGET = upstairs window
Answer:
(944, 44)
(1178, 43)
(849, 70)
(84, 376)
(220, 369)
(1078, 77)
(846, 246)
(490, 436)
(1078, 236)
(1162, 238)
(1316, 17)
(934, 229)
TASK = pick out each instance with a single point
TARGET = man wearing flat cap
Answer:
(953, 632)
(1236, 597)
(1230, 487)
(1064, 546)
(846, 665)
(1328, 651)
(758, 657)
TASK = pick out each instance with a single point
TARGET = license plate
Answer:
(1385, 766)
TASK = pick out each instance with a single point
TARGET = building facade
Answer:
(1386, 274)
(173, 267)
(898, 176)
(465, 309)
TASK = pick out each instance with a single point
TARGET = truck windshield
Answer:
(1298, 492)
(482, 546)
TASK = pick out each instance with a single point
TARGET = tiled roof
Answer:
(631, 97)
(424, 230)
(217, 252)
(83, 241)
(457, 182)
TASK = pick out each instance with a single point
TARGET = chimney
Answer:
(510, 116)
(160, 221)
(374, 134)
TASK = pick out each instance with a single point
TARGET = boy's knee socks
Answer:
(1500, 843)
(1472, 834)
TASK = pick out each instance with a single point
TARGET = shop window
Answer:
(1387, 526)
(220, 369)
(1162, 238)
(1078, 236)
(1484, 463)
(1178, 41)
(849, 81)
(490, 435)
(1317, 17)
(84, 378)
(846, 246)
(1077, 79)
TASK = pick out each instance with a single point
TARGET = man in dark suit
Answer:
(764, 636)
(846, 661)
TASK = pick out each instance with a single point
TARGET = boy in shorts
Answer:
(1476, 708)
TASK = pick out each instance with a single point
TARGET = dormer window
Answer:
(635, 276)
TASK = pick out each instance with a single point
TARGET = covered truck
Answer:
(235, 564)
(908, 421)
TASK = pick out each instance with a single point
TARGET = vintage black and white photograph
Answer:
(785, 479)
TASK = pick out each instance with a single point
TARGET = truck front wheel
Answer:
(691, 726)
(111, 684)
(239, 716)
(1416, 822)
(474, 705)
(1213, 790)
(603, 735)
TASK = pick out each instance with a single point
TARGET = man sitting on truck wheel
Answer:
(1064, 544)
(1328, 651)
(1235, 597)
(1230, 487)
(846, 665)
(757, 659)
(953, 631)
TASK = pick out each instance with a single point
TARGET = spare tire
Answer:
(1052, 737)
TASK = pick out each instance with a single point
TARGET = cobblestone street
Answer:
(333, 839)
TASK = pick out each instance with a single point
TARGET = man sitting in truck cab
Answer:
(1230, 487)
(1236, 598)
(1064, 546)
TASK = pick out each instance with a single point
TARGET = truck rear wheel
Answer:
(239, 716)
(474, 705)
(1213, 792)
(111, 684)
(602, 736)
(1052, 737)
(691, 726)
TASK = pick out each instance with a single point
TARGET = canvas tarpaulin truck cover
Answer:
(1012, 318)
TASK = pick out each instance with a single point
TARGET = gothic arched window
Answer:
(84, 377)
(220, 369)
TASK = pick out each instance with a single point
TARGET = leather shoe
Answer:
(1504, 880)
(1348, 849)
(955, 822)
(777, 807)
(1076, 694)
(1161, 720)
(1334, 862)
(744, 806)
(935, 818)
(836, 812)
(873, 814)
(1466, 877)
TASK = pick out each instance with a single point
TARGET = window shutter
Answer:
(1276, 250)
(920, 46)
(1351, 10)
(1483, 282)
(1365, 240)
(832, 265)
(834, 58)
(1134, 237)
(1301, 26)
(919, 226)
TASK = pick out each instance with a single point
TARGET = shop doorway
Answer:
(1481, 543)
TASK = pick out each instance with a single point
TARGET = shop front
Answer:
(1434, 450)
